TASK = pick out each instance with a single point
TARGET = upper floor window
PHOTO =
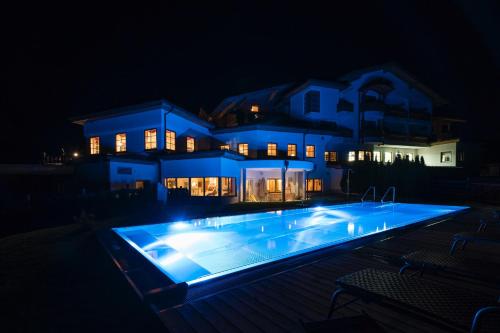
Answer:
(331, 156)
(169, 140)
(94, 145)
(121, 142)
(351, 156)
(150, 139)
(189, 144)
(292, 150)
(243, 149)
(255, 108)
(225, 147)
(310, 151)
(312, 101)
(272, 149)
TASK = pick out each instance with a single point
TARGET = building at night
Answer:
(275, 144)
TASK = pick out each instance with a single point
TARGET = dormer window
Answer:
(312, 101)
(190, 144)
(254, 108)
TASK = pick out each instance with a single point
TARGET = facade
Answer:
(277, 144)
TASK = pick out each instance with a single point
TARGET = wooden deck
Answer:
(277, 303)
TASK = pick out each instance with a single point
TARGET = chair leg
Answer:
(333, 300)
(480, 314)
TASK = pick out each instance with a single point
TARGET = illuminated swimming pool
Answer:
(197, 250)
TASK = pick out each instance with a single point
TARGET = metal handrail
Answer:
(367, 192)
(389, 189)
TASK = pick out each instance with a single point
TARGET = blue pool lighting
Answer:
(197, 250)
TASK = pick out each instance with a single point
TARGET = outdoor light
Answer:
(75, 154)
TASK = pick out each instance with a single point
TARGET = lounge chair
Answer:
(424, 260)
(470, 237)
(449, 305)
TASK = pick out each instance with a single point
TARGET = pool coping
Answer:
(155, 288)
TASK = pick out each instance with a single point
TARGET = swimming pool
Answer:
(197, 250)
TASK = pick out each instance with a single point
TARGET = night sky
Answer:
(67, 61)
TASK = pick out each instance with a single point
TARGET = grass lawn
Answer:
(61, 280)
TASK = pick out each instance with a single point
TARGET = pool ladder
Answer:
(390, 189)
(370, 189)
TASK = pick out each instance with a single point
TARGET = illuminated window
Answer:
(409, 156)
(183, 183)
(254, 108)
(351, 157)
(292, 150)
(310, 151)
(331, 156)
(361, 155)
(314, 184)
(376, 156)
(94, 145)
(170, 182)
(150, 139)
(446, 157)
(312, 101)
(271, 149)
(197, 187)
(211, 186)
(387, 157)
(169, 140)
(227, 186)
(273, 185)
(189, 144)
(243, 149)
(121, 142)
(224, 147)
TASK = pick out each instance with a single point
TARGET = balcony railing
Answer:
(262, 154)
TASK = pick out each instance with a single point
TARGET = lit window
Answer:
(314, 184)
(197, 187)
(169, 140)
(446, 157)
(211, 186)
(292, 150)
(121, 142)
(227, 186)
(310, 151)
(351, 157)
(254, 108)
(170, 183)
(312, 101)
(331, 156)
(224, 147)
(94, 145)
(271, 149)
(361, 155)
(243, 149)
(183, 183)
(409, 156)
(189, 144)
(376, 156)
(150, 139)
(273, 185)
(387, 157)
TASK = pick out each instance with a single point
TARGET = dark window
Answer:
(311, 101)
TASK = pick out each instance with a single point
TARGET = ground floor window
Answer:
(387, 157)
(409, 156)
(211, 186)
(273, 185)
(207, 186)
(376, 156)
(361, 155)
(314, 185)
(227, 186)
(351, 157)
(446, 157)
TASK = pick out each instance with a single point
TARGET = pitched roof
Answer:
(399, 72)
(151, 105)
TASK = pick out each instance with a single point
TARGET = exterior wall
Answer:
(133, 124)
(329, 98)
(138, 172)
(432, 155)
(184, 128)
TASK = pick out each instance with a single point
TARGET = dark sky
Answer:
(71, 60)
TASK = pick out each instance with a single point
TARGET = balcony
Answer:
(261, 154)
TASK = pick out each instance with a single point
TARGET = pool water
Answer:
(201, 249)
